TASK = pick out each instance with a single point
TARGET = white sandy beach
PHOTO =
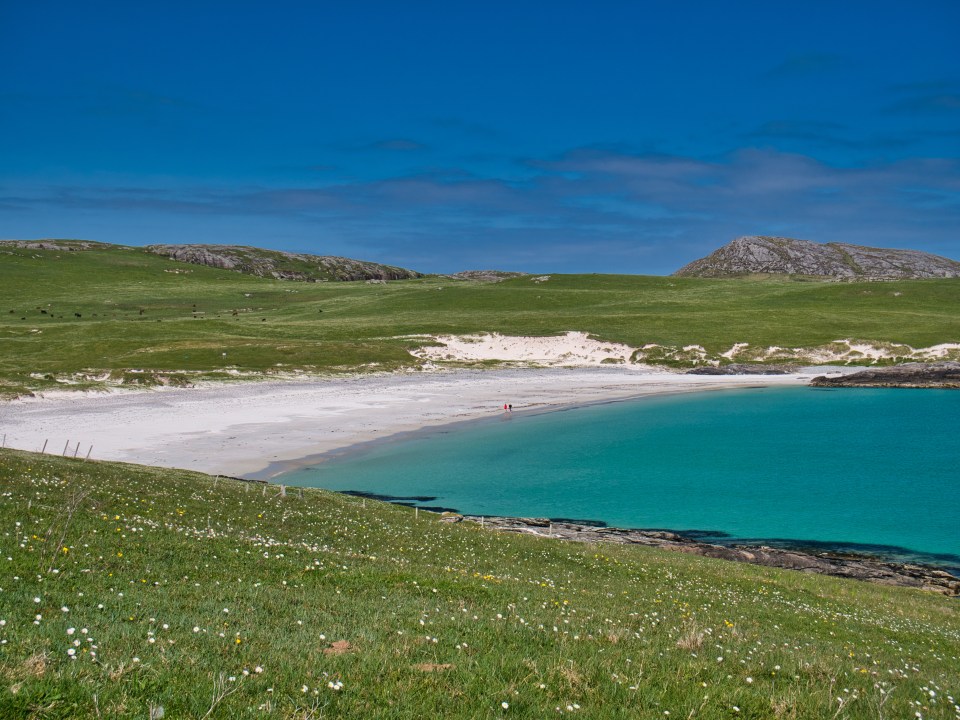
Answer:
(260, 429)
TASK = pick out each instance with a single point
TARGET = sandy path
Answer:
(245, 429)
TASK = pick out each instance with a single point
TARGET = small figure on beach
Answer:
(510, 408)
(505, 406)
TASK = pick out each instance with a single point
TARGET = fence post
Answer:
(77, 451)
(44, 446)
(88, 453)
(64, 453)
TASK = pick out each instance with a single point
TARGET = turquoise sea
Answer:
(875, 471)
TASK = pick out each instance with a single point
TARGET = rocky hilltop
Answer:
(756, 254)
(281, 265)
(908, 375)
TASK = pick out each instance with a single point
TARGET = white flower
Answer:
(749, 680)
(505, 705)
(70, 631)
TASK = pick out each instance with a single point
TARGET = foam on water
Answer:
(871, 471)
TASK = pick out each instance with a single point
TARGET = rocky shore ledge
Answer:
(908, 375)
(856, 567)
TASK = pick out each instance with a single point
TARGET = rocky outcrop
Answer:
(785, 256)
(486, 275)
(909, 375)
(60, 245)
(281, 265)
(741, 369)
(855, 567)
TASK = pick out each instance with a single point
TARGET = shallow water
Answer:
(853, 469)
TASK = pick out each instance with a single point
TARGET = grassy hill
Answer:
(124, 589)
(78, 315)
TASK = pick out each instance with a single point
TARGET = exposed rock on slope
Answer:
(61, 245)
(486, 275)
(785, 256)
(909, 375)
(281, 265)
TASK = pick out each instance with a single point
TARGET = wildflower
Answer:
(505, 705)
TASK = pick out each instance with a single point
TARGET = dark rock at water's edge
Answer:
(855, 567)
(760, 254)
(908, 375)
(741, 369)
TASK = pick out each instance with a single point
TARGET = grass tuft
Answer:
(170, 591)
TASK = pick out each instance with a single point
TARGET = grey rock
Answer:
(486, 275)
(785, 256)
(847, 566)
(281, 265)
(742, 369)
(908, 375)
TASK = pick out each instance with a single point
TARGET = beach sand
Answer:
(257, 430)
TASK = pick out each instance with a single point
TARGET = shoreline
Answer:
(260, 430)
(856, 566)
(257, 431)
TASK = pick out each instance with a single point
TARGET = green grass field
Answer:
(117, 310)
(126, 589)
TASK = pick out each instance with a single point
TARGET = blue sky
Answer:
(541, 136)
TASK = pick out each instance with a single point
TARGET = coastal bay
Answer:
(862, 472)
(258, 430)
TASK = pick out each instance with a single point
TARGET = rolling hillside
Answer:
(114, 314)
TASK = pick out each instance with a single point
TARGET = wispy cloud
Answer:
(932, 103)
(588, 209)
